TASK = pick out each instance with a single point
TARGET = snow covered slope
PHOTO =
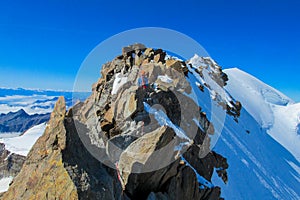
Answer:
(261, 145)
(274, 112)
(259, 167)
(22, 144)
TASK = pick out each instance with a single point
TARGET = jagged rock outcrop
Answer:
(133, 138)
(43, 174)
(213, 78)
(127, 141)
(59, 167)
(10, 163)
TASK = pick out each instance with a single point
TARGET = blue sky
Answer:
(43, 43)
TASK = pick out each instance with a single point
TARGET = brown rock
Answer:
(149, 52)
(177, 65)
(132, 48)
(238, 105)
(43, 175)
(109, 115)
(157, 58)
(61, 167)
(173, 63)
(107, 71)
(146, 61)
(125, 104)
(131, 106)
(138, 60)
(176, 188)
(106, 126)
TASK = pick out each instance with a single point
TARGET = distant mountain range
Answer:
(35, 101)
(30, 92)
(21, 108)
(20, 121)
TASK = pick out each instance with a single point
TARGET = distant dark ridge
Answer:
(20, 121)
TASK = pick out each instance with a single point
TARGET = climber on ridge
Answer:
(143, 80)
(142, 92)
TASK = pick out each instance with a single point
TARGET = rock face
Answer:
(59, 167)
(43, 174)
(10, 163)
(126, 141)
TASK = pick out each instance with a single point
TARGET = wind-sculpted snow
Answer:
(259, 165)
(274, 112)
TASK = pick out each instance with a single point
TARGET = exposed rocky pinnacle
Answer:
(127, 141)
(43, 175)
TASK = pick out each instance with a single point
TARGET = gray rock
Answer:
(10, 163)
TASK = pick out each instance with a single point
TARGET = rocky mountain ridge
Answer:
(126, 142)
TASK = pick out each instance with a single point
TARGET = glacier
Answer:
(273, 111)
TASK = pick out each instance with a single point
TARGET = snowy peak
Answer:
(257, 87)
(208, 74)
(206, 65)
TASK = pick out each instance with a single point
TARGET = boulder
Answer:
(109, 115)
(159, 56)
(149, 52)
(126, 51)
(177, 65)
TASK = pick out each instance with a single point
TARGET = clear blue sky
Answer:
(43, 43)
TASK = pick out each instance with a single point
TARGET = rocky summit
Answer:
(140, 135)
